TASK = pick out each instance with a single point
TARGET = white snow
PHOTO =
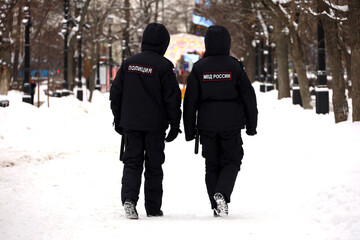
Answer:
(60, 177)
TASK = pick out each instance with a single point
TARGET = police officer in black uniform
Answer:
(219, 102)
(145, 100)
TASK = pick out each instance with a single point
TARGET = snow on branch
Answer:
(312, 12)
(285, 12)
(330, 15)
(342, 8)
(282, 14)
(281, 1)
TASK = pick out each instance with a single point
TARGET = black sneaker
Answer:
(130, 210)
(160, 214)
(222, 207)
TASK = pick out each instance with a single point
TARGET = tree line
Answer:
(290, 26)
(92, 21)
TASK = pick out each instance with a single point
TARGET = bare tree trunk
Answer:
(298, 60)
(5, 56)
(345, 49)
(250, 63)
(282, 63)
(93, 70)
(71, 64)
(4, 80)
(250, 54)
(355, 73)
(340, 104)
(95, 53)
(347, 57)
(294, 42)
(354, 21)
(333, 49)
(156, 11)
(15, 65)
(71, 48)
(126, 35)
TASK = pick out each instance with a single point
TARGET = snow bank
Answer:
(60, 177)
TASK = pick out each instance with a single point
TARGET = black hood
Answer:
(217, 41)
(155, 38)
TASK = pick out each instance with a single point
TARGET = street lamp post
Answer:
(79, 6)
(97, 85)
(97, 81)
(26, 85)
(110, 50)
(269, 76)
(262, 66)
(65, 31)
(123, 41)
(322, 92)
(257, 75)
(79, 90)
(123, 47)
(296, 95)
(139, 34)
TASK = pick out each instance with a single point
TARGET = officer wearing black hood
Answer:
(145, 100)
(220, 96)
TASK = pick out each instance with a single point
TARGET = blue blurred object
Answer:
(35, 73)
(201, 21)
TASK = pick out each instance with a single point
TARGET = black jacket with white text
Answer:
(219, 91)
(145, 94)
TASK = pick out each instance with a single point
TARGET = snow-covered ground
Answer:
(60, 177)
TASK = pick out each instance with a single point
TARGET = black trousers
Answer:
(143, 147)
(223, 153)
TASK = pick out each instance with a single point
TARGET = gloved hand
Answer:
(189, 138)
(174, 131)
(191, 135)
(251, 132)
(117, 127)
(119, 130)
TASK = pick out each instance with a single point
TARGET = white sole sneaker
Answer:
(222, 209)
(130, 210)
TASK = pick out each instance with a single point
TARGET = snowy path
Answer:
(62, 185)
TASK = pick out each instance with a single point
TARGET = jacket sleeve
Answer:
(248, 98)
(172, 97)
(191, 105)
(116, 92)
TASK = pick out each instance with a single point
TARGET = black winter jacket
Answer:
(219, 91)
(145, 94)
